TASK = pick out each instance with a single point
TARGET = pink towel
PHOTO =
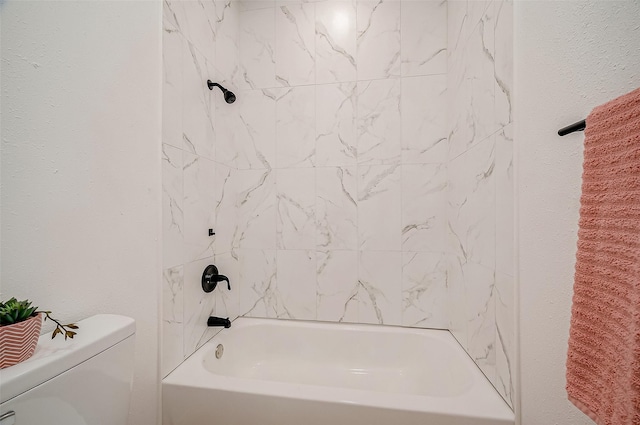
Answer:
(603, 364)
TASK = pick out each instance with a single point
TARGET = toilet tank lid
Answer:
(55, 356)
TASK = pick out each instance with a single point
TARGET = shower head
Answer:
(229, 97)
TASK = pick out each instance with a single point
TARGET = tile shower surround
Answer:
(329, 182)
(480, 186)
(341, 177)
(200, 42)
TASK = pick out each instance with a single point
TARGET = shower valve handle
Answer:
(210, 278)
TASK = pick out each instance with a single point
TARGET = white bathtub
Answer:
(275, 372)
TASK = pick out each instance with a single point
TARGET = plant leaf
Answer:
(56, 332)
(72, 326)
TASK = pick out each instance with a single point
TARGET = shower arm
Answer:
(211, 85)
(229, 97)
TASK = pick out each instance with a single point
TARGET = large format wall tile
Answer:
(379, 292)
(256, 201)
(379, 122)
(335, 41)
(173, 20)
(504, 201)
(336, 124)
(460, 115)
(505, 268)
(297, 284)
(198, 207)
(379, 207)
(225, 196)
(198, 27)
(295, 44)
(505, 336)
(257, 48)
(481, 68)
(336, 208)
(295, 127)
(503, 62)
(472, 82)
(172, 60)
(256, 136)
(456, 28)
(258, 286)
(296, 205)
(256, 4)
(172, 318)
(424, 290)
(457, 299)
(337, 292)
(424, 124)
(476, 13)
(378, 42)
(480, 313)
(197, 109)
(229, 130)
(424, 207)
(172, 206)
(424, 37)
(227, 46)
(472, 204)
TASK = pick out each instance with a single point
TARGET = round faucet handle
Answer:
(211, 277)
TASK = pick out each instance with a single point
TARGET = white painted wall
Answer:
(569, 57)
(81, 195)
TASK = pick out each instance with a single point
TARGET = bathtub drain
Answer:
(219, 351)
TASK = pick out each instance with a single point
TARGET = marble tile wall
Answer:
(341, 179)
(200, 42)
(364, 174)
(480, 185)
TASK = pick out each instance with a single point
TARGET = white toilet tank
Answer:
(84, 381)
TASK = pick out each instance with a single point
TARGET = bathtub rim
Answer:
(481, 401)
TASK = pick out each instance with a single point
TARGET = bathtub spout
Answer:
(218, 321)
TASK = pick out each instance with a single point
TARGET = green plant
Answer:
(14, 311)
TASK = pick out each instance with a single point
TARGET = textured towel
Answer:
(603, 364)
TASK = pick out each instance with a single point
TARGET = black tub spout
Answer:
(218, 321)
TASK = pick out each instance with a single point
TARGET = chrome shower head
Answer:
(229, 97)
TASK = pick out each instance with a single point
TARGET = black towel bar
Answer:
(578, 126)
